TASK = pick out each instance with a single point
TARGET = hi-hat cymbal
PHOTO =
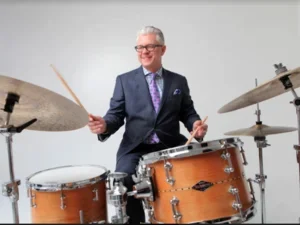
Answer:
(52, 111)
(260, 130)
(265, 91)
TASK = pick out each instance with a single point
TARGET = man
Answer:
(153, 101)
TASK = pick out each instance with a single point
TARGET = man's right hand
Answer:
(97, 124)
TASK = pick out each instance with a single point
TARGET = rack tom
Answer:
(203, 182)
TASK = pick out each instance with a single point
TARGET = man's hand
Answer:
(97, 124)
(201, 129)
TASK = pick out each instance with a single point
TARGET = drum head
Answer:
(67, 177)
(190, 150)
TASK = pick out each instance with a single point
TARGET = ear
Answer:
(163, 49)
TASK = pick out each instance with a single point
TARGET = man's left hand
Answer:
(201, 129)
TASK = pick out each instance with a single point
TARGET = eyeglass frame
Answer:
(146, 47)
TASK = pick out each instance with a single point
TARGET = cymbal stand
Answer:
(288, 85)
(11, 189)
(260, 178)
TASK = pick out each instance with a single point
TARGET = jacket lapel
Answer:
(167, 84)
(142, 85)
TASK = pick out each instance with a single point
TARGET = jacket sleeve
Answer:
(114, 117)
(188, 114)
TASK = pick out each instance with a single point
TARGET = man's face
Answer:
(150, 58)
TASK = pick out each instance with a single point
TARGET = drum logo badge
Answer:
(202, 185)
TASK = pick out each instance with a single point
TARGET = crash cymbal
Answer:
(260, 130)
(265, 91)
(52, 111)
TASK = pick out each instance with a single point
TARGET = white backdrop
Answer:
(220, 47)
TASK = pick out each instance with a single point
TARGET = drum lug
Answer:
(244, 156)
(31, 196)
(168, 166)
(81, 217)
(251, 189)
(107, 184)
(62, 197)
(95, 190)
(226, 156)
(237, 203)
(176, 215)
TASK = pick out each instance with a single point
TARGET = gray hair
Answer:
(152, 30)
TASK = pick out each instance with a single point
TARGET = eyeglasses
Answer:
(150, 48)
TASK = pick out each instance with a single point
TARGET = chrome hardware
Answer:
(62, 197)
(107, 184)
(143, 190)
(233, 190)
(118, 198)
(251, 189)
(31, 196)
(237, 206)
(57, 186)
(142, 172)
(237, 203)
(11, 190)
(81, 217)
(98, 222)
(148, 208)
(168, 166)
(190, 150)
(95, 190)
(226, 156)
(249, 213)
(176, 215)
(143, 187)
(260, 178)
(244, 156)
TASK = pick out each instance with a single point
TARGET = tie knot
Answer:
(154, 75)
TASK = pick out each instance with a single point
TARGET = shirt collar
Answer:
(146, 72)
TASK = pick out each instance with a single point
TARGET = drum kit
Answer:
(194, 183)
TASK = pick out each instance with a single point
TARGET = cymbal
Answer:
(52, 111)
(265, 91)
(261, 130)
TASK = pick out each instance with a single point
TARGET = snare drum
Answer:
(203, 182)
(68, 194)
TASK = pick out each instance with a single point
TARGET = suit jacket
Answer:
(131, 100)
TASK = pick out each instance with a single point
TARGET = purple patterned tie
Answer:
(154, 92)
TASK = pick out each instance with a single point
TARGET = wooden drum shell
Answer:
(54, 205)
(199, 206)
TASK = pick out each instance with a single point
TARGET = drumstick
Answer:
(194, 133)
(67, 86)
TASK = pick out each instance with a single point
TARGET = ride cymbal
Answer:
(265, 91)
(52, 111)
(260, 130)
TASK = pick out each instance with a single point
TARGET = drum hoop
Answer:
(191, 150)
(66, 186)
